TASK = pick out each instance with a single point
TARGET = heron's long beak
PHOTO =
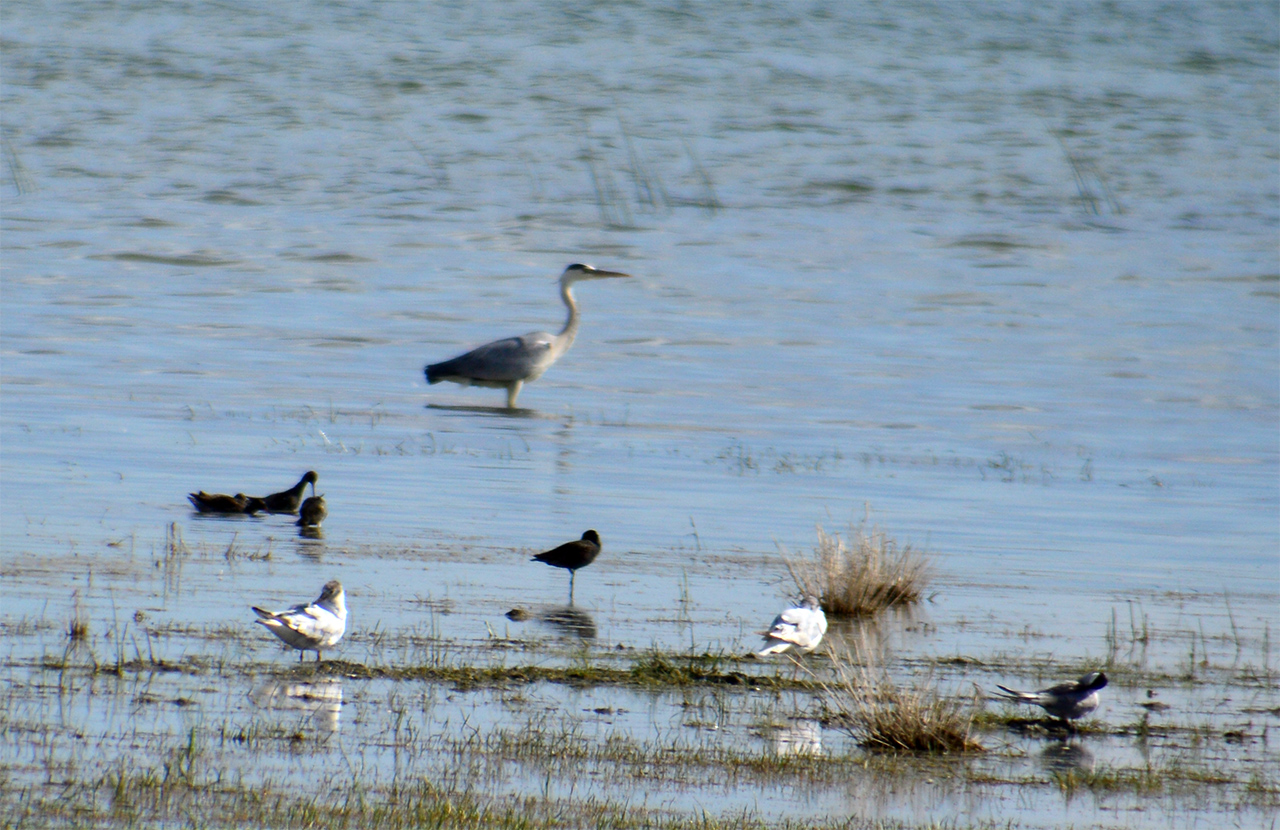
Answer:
(596, 273)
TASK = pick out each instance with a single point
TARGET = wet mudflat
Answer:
(1000, 281)
(146, 714)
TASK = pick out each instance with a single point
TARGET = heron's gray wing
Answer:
(502, 361)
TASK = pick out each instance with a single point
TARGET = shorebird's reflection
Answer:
(799, 737)
(569, 621)
(1066, 756)
(322, 698)
(310, 545)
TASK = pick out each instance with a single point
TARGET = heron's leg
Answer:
(571, 574)
(513, 392)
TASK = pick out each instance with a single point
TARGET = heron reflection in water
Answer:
(510, 362)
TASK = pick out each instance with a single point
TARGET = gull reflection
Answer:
(1066, 756)
(569, 621)
(799, 737)
(322, 698)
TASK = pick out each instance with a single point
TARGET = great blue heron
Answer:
(801, 626)
(509, 363)
(287, 501)
(573, 555)
(310, 626)
(1066, 701)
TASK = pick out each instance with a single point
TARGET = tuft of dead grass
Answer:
(78, 625)
(861, 576)
(883, 716)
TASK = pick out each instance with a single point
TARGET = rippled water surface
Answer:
(1006, 278)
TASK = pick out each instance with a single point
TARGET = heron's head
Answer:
(592, 537)
(578, 271)
(310, 477)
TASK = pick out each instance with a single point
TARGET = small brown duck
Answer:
(313, 512)
(573, 555)
(287, 501)
(221, 503)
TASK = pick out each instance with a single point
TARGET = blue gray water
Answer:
(1003, 279)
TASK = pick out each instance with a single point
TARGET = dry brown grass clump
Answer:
(863, 576)
(78, 626)
(882, 715)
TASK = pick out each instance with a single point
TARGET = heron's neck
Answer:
(565, 338)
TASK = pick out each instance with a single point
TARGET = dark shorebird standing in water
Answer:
(287, 501)
(312, 513)
(573, 555)
(221, 503)
(1066, 701)
(508, 363)
(310, 626)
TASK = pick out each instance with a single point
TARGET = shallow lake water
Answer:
(1001, 282)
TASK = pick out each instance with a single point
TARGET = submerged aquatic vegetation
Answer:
(861, 576)
(882, 715)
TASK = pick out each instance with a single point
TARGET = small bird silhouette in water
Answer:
(312, 513)
(1066, 701)
(801, 626)
(310, 626)
(221, 503)
(287, 501)
(573, 555)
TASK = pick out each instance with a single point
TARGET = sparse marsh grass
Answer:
(78, 625)
(277, 767)
(861, 575)
(1139, 780)
(884, 716)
